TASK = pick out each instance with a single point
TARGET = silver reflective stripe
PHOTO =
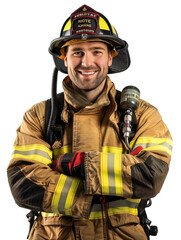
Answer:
(111, 177)
(96, 208)
(123, 203)
(147, 145)
(64, 194)
(33, 152)
(127, 206)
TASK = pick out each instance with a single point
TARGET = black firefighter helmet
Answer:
(86, 24)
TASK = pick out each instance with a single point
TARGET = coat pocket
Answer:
(55, 227)
(127, 227)
(123, 219)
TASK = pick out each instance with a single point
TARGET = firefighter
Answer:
(88, 185)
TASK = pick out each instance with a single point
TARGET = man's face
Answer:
(87, 64)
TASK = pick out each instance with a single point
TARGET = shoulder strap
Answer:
(47, 114)
(54, 126)
(118, 99)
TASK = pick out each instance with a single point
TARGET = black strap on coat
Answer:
(54, 126)
(31, 218)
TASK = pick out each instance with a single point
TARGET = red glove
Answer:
(70, 164)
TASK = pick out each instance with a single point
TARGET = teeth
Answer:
(87, 73)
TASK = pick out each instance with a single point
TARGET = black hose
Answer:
(53, 113)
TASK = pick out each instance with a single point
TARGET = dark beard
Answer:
(91, 89)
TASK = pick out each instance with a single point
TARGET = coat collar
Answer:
(78, 102)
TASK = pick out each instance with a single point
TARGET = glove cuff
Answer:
(67, 158)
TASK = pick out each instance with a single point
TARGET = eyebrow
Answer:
(92, 48)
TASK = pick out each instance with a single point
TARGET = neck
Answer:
(91, 94)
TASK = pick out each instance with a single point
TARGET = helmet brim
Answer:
(120, 62)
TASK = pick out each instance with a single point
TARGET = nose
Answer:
(86, 60)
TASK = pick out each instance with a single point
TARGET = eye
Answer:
(98, 52)
(78, 54)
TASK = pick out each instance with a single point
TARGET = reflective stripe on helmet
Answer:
(67, 26)
(103, 24)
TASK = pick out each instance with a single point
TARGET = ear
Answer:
(65, 61)
(110, 57)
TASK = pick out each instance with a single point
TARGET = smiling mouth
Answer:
(87, 73)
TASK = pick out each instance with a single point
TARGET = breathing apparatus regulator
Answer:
(130, 98)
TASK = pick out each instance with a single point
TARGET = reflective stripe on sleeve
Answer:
(36, 152)
(111, 176)
(62, 150)
(64, 194)
(151, 144)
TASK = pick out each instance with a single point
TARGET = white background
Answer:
(152, 29)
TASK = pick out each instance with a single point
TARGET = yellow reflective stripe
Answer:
(104, 174)
(64, 194)
(103, 24)
(67, 26)
(106, 149)
(95, 215)
(121, 210)
(71, 195)
(117, 174)
(33, 146)
(159, 148)
(33, 157)
(96, 212)
(57, 193)
(121, 206)
(36, 152)
(44, 214)
(151, 144)
(134, 200)
(153, 140)
(114, 31)
(111, 176)
(62, 150)
(128, 205)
